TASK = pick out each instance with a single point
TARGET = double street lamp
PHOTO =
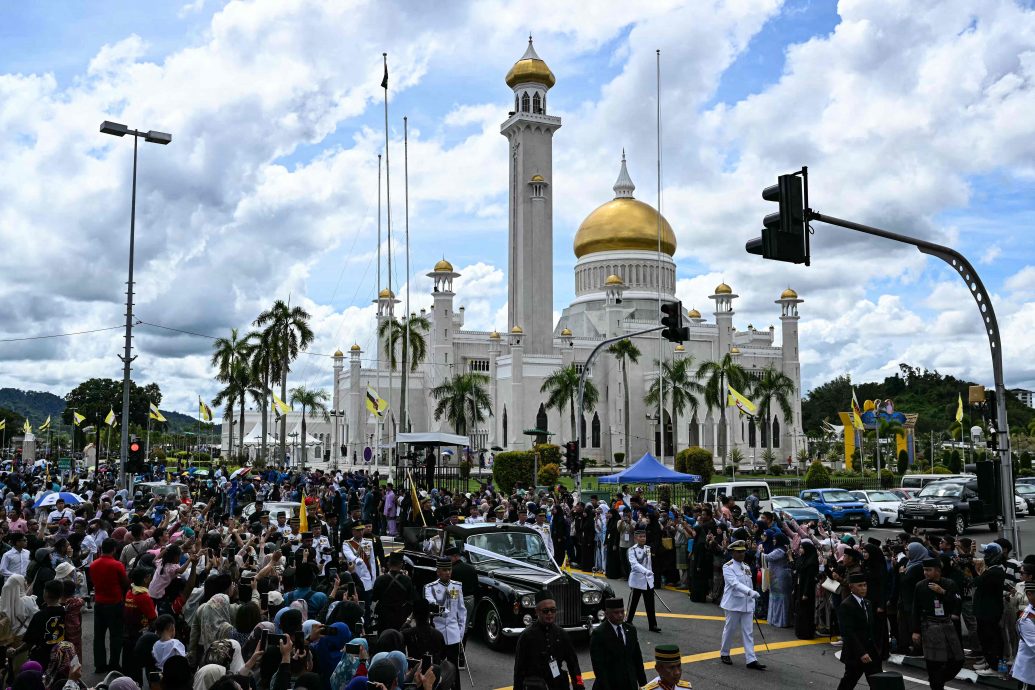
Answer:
(120, 130)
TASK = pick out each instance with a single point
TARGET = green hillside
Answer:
(927, 393)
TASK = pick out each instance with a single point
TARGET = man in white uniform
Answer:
(540, 525)
(641, 580)
(451, 619)
(738, 603)
(359, 554)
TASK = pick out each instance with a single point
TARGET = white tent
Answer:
(254, 437)
(434, 438)
(309, 439)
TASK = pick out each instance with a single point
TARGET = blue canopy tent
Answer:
(647, 470)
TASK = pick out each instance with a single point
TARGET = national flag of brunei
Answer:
(857, 421)
(282, 407)
(959, 409)
(155, 414)
(204, 411)
(375, 403)
(741, 402)
(77, 418)
(45, 426)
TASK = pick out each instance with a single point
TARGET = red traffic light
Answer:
(134, 447)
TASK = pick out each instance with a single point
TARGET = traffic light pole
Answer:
(582, 392)
(977, 289)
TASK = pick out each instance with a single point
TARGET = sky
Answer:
(915, 117)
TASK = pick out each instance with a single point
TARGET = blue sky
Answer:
(915, 121)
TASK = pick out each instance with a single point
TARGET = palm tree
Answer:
(410, 332)
(772, 387)
(625, 351)
(265, 366)
(312, 401)
(563, 387)
(888, 428)
(286, 332)
(682, 391)
(463, 400)
(228, 356)
(237, 382)
(717, 376)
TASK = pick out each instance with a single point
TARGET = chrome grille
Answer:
(568, 596)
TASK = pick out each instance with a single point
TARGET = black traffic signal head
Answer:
(135, 456)
(784, 233)
(672, 320)
(571, 457)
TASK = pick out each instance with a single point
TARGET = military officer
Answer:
(359, 555)
(540, 525)
(544, 658)
(738, 603)
(465, 574)
(669, 667)
(936, 602)
(614, 650)
(641, 580)
(322, 545)
(451, 619)
(392, 595)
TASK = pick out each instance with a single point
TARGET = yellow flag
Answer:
(3, 423)
(155, 414)
(27, 428)
(109, 419)
(281, 406)
(415, 498)
(303, 515)
(45, 425)
(857, 421)
(204, 411)
(959, 409)
(742, 403)
(375, 403)
(78, 418)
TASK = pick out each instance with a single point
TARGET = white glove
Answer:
(755, 594)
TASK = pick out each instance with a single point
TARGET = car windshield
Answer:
(1025, 489)
(519, 546)
(838, 497)
(789, 502)
(883, 496)
(942, 490)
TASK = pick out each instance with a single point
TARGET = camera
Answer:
(434, 609)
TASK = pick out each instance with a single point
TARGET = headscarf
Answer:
(60, 664)
(809, 561)
(123, 683)
(252, 643)
(30, 680)
(396, 658)
(16, 604)
(226, 653)
(307, 627)
(345, 671)
(119, 534)
(31, 665)
(303, 606)
(220, 605)
(390, 640)
(917, 553)
(327, 651)
(876, 564)
(357, 683)
(207, 676)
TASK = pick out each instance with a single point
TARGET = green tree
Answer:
(735, 457)
(717, 376)
(310, 401)
(563, 389)
(772, 387)
(817, 476)
(680, 389)
(93, 399)
(955, 463)
(624, 351)
(230, 357)
(696, 460)
(265, 365)
(286, 332)
(890, 429)
(463, 400)
(511, 467)
(903, 461)
(410, 334)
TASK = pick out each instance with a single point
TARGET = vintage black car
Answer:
(512, 564)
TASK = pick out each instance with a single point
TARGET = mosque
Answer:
(619, 274)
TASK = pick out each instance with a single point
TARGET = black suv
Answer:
(952, 505)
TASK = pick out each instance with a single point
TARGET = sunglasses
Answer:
(552, 609)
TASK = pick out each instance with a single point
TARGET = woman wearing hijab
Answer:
(64, 670)
(348, 666)
(806, 574)
(123, 683)
(29, 680)
(875, 567)
(780, 581)
(327, 651)
(17, 605)
(909, 575)
(207, 676)
(613, 568)
(392, 658)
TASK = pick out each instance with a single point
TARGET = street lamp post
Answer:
(120, 130)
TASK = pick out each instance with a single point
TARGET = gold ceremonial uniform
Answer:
(656, 685)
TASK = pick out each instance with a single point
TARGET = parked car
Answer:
(1027, 492)
(882, 505)
(796, 508)
(919, 481)
(838, 506)
(738, 491)
(1020, 506)
(1025, 480)
(512, 564)
(950, 504)
(905, 494)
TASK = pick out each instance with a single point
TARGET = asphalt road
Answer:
(697, 629)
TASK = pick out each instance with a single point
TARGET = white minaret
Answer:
(789, 302)
(529, 131)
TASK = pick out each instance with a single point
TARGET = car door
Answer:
(974, 504)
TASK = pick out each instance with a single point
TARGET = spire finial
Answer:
(529, 36)
(624, 186)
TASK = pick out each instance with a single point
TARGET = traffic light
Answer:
(135, 456)
(672, 320)
(785, 233)
(571, 457)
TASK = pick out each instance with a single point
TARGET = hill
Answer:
(927, 393)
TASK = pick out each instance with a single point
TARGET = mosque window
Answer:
(504, 426)
(752, 436)
(481, 365)
(542, 422)
(695, 431)
(579, 368)
(776, 432)
(524, 102)
(764, 442)
(582, 431)
(537, 105)
(596, 430)
(517, 104)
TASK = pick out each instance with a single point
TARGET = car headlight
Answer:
(528, 601)
(838, 509)
(943, 508)
(591, 598)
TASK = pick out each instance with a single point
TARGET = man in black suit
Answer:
(614, 650)
(858, 634)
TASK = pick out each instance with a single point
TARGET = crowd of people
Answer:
(193, 591)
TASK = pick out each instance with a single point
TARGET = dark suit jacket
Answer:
(857, 631)
(616, 666)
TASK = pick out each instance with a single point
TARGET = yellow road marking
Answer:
(691, 616)
(705, 656)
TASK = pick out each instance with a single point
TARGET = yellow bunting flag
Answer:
(282, 407)
(27, 428)
(959, 409)
(45, 426)
(303, 515)
(109, 419)
(3, 423)
(155, 414)
(416, 499)
(204, 411)
(741, 402)
(857, 421)
(77, 418)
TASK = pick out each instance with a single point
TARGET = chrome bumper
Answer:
(514, 632)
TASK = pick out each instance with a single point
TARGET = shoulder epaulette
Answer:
(652, 685)
(684, 684)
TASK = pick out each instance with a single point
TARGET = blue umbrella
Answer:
(50, 498)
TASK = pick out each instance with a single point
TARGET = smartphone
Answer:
(411, 663)
(264, 639)
(247, 581)
(275, 640)
(231, 551)
(332, 573)
(373, 686)
(328, 631)
(264, 603)
(353, 649)
(156, 676)
(351, 589)
(425, 664)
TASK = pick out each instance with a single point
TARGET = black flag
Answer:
(384, 81)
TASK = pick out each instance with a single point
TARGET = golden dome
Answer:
(495, 335)
(386, 294)
(623, 223)
(355, 347)
(734, 350)
(693, 314)
(444, 265)
(680, 348)
(788, 294)
(566, 333)
(530, 69)
(339, 353)
(613, 280)
(517, 330)
(538, 178)
(723, 289)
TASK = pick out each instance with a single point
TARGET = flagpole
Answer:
(377, 338)
(403, 392)
(661, 337)
(388, 224)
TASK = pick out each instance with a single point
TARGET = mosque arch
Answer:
(504, 426)
(776, 432)
(595, 430)
(524, 102)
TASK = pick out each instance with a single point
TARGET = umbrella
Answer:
(50, 498)
(239, 472)
(497, 448)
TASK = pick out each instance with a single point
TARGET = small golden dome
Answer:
(444, 265)
(693, 314)
(680, 348)
(788, 294)
(723, 289)
(386, 294)
(495, 335)
(538, 178)
(613, 280)
(751, 327)
(623, 223)
(339, 353)
(517, 330)
(355, 347)
(734, 350)
(566, 333)
(530, 69)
